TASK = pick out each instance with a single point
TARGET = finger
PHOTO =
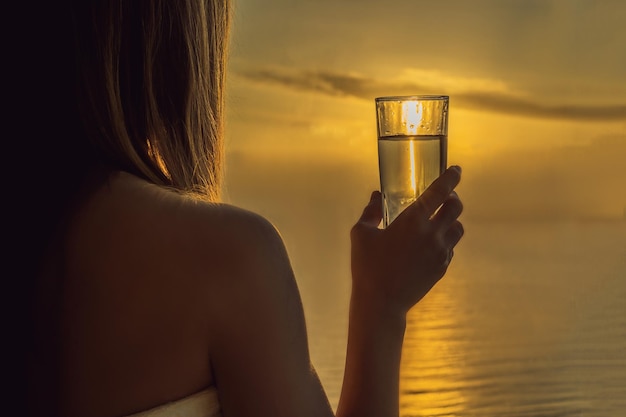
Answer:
(373, 212)
(454, 234)
(449, 212)
(434, 196)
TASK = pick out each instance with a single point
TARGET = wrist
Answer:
(375, 312)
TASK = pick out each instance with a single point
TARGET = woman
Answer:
(145, 290)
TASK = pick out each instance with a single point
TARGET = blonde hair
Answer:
(150, 87)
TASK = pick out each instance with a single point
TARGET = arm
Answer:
(371, 377)
(392, 270)
(259, 348)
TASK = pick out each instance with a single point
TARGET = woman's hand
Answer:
(394, 268)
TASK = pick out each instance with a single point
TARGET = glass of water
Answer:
(412, 148)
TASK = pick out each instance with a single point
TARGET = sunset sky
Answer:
(537, 94)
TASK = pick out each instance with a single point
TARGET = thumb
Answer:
(373, 212)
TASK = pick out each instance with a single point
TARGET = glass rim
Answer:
(424, 97)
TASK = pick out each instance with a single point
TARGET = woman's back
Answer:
(129, 331)
(141, 268)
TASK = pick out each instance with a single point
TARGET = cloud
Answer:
(479, 94)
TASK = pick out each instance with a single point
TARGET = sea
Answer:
(529, 320)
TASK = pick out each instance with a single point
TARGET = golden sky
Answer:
(537, 92)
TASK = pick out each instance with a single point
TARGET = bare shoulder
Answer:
(186, 227)
(162, 239)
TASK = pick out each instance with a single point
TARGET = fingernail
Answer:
(458, 168)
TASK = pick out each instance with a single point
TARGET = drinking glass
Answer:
(412, 148)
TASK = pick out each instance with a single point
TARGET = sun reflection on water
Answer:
(432, 358)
